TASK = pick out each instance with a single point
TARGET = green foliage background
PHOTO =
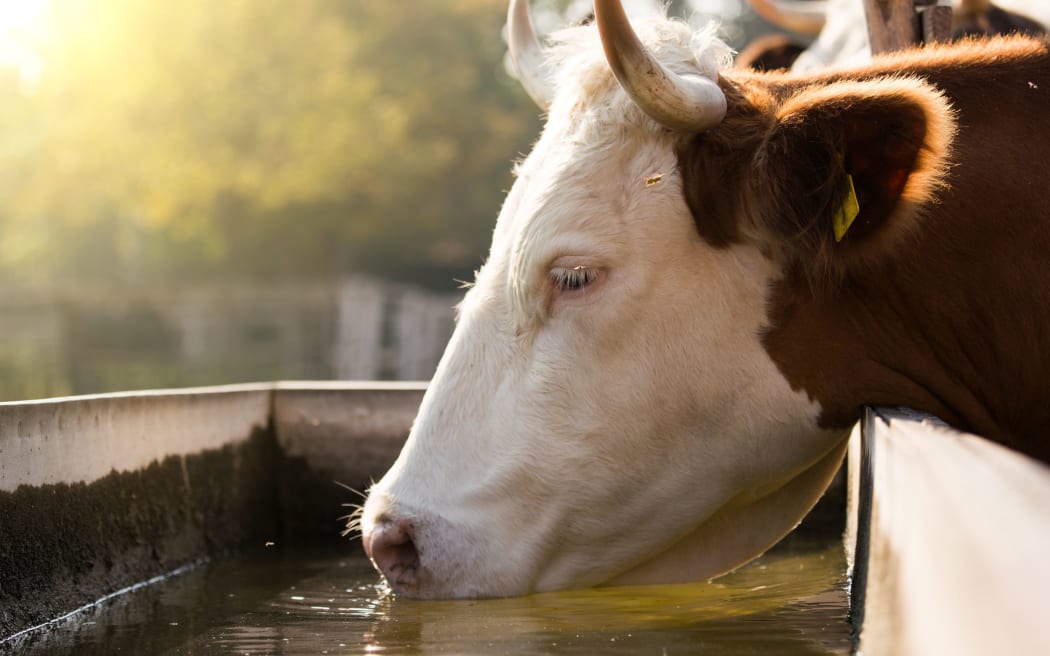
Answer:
(258, 138)
(188, 189)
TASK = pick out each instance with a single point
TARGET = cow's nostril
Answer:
(393, 551)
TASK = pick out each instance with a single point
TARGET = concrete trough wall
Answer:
(100, 493)
(334, 436)
(951, 541)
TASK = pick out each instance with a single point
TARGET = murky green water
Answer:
(790, 602)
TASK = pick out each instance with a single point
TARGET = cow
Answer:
(698, 280)
(842, 37)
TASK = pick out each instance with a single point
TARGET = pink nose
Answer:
(392, 550)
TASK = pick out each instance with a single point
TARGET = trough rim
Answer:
(232, 388)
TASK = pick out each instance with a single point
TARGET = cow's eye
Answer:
(575, 278)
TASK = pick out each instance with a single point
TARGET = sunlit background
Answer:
(203, 192)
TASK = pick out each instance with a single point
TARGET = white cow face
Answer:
(604, 412)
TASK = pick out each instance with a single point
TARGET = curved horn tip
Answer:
(526, 54)
(687, 103)
(803, 18)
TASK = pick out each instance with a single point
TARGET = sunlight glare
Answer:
(21, 25)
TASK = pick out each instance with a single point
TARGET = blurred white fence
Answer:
(389, 331)
(97, 340)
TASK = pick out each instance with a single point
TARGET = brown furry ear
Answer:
(845, 170)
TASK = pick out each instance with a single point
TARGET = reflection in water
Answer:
(788, 602)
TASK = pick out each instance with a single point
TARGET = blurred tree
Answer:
(161, 141)
(259, 137)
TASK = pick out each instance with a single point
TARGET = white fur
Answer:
(571, 438)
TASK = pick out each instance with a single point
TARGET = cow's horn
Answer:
(688, 103)
(801, 17)
(526, 54)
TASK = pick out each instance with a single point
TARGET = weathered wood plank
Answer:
(892, 24)
(959, 559)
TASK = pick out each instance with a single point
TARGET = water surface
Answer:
(791, 601)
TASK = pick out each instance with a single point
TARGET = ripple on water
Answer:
(791, 601)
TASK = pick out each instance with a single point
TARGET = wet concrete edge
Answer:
(66, 545)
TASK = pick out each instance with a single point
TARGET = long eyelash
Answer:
(574, 278)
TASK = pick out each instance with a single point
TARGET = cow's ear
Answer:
(847, 169)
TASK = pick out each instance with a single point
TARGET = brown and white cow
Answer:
(697, 281)
(841, 31)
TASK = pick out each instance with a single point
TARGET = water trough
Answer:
(98, 493)
(946, 537)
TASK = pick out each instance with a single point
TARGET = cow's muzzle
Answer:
(391, 546)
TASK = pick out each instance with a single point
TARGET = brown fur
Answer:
(941, 299)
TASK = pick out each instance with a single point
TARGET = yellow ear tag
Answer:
(848, 211)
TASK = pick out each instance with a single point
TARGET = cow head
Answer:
(606, 411)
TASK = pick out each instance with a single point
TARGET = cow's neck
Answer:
(938, 329)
